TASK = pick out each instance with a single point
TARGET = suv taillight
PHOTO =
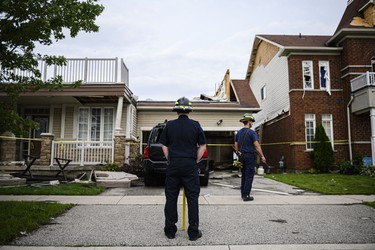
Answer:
(145, 153)
(205, 154)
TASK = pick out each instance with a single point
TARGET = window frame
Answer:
(88, 134)
(327, 73)
(327, 119)
(310, 72)
(310, 118)
(263, 93)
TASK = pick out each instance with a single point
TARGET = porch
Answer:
(85, 122)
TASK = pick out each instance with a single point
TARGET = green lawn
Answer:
(61, 189)
(329, 183)
(20, 217)
(17, 217)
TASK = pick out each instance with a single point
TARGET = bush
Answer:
(322, 155)
(346, 167)
(110, 166)
(369, 171)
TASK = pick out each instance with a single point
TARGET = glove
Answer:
(237, 164)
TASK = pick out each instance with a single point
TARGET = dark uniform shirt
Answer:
(182, 137)
(246, 146)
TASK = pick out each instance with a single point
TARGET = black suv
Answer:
(155, 163)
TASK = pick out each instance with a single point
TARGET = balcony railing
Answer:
(88, 70)
(362, 81)
(83, 152)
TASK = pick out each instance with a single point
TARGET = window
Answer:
(327, 123)
(95, 124)
(310, 130)
(263, 93)
(308, 76)
(324, 78)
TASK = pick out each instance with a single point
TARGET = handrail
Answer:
(365, 80)
(87, 70)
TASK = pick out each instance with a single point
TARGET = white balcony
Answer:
(363, 81)
(87, 70)
(363, 89)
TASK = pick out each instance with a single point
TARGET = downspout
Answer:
(349, 129)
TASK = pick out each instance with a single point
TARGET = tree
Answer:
(323, 156)
(23, 24)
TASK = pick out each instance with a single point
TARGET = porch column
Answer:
(372, 118)
(119, 115)
(8, 147)
(119, 149)
(46, 149)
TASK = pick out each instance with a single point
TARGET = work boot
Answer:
(247, 198)
(196, 237)
(170, 236)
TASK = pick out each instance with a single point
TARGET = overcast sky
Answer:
(177, 48)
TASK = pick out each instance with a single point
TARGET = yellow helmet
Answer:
(183, 105)
(247, 117)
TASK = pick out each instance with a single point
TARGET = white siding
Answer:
(207, 119)
(275, 77)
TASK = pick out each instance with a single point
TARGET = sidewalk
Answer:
(269, 222)
(280, 217)
(218, 247)
(203, 200)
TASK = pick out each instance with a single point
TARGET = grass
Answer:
(61, 189)
(19, 217)
(331, 184)
(370, 203)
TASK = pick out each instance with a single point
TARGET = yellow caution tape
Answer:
(209, 144)
(20, 138)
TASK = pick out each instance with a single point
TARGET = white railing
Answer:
(87, 70)
(83, 152)
(364, 80)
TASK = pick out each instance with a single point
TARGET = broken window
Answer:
(307, 71)
(324, 75)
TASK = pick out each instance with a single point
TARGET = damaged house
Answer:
(301, 81)
(218, 115)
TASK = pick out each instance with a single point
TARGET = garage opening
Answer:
(220, 149)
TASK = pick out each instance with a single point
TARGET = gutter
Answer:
(349, 129)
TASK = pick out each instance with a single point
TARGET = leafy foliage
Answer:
(323, 156)
(356, 167)
(23, 24)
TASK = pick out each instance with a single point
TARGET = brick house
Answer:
(300, 81)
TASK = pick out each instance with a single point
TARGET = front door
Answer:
(41, 116)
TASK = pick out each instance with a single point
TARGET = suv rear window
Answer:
(156, 134)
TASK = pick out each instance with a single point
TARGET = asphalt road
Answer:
(142, 225)
(220, 183)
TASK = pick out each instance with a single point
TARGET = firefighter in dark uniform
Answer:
(247, 142)
(184, 143)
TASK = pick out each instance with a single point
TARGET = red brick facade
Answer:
(285, 135)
